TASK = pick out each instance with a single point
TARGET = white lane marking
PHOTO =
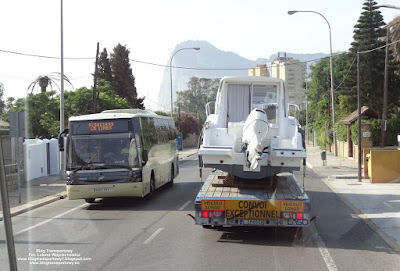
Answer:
(152, 236)
(184, 205)
(309, 165)
(388, 205)
(50, 219)
(324, 251)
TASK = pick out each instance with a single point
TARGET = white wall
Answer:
(37, 158)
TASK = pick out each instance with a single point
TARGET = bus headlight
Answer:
(135, 176)
(71, 178)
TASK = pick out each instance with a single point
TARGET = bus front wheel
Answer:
(171, 182)
(152, 187)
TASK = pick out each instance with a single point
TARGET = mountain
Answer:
(207, 58)
(209, 62)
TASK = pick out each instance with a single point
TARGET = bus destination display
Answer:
(99, 127)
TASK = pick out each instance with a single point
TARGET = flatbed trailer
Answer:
(279, 201)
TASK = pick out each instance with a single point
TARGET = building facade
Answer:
(293, 72)
(260, 70)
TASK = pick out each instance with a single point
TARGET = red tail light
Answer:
(205, 214)
(299, 216)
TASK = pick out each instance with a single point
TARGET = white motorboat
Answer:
(250, 133)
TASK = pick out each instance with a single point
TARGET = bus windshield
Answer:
(104, 150)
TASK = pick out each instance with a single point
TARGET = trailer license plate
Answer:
(102, 189)
(252, 222)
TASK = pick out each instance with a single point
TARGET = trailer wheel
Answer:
(92, 200)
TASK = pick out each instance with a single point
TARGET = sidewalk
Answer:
(187, 152)
(378, 204)
(36, 193)
(44, 190)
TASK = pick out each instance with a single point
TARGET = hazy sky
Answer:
(151, 30)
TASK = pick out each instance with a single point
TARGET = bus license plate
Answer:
(102, 189)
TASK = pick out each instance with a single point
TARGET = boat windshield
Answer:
(265, 98)
(105, 151)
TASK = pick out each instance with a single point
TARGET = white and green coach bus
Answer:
(119, 153)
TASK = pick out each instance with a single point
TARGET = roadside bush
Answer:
(189, 124)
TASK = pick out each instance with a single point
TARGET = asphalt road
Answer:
(157, 234)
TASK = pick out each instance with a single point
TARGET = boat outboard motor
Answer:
(254, 139)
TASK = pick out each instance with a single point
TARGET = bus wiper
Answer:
(91, 159)
(80, 168)
(117, 166)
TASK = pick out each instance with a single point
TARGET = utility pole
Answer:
(179, 117)
(385, 90)
(95, 81)
(359, 117)
(62, 120)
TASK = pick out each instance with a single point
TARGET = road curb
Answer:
(343, 177)
(35, 204)
(388, 240)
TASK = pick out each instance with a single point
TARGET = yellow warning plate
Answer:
(252, 209)
(212, 205)
(292, 206)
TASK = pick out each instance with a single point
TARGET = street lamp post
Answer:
(62, 125)
(331, 66)
(170, 71)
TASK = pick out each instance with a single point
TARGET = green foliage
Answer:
(189, 124)
(2, 103)
(162, 113)
(123, 81)
(104, 68)
(108, 99)
(393, 129)
(43, 109)
(78, 102)
(42, 114)
(341, 131)
(375, 129)
(194, 99)
(368, 33)
(354, 132)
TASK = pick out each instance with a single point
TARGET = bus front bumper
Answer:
(105, 190)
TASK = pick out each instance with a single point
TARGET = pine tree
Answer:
(123, 80)
(104, 68)
(368, 35)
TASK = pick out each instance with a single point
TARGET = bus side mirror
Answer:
(145, 155)
(61, 139)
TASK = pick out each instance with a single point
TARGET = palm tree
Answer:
(44, 81)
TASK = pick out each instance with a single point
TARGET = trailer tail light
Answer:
(205, 214)
(299, 215)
